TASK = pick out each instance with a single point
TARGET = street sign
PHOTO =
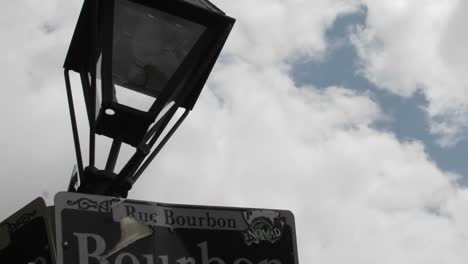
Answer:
(98, 229)
(25, 237)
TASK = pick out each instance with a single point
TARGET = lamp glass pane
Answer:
(148, 46)
(98, 86)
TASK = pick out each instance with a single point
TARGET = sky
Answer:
(353, 114)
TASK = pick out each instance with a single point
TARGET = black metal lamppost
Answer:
(161, 50)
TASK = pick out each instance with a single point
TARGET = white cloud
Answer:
(253, 139)
(358, 194)
(269, 31)
(37, 154)
(410, 46)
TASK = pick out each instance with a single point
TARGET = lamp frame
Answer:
(93, 38)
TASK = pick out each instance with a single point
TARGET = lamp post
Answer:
(128, 52)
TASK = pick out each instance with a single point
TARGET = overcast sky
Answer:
(351, 113)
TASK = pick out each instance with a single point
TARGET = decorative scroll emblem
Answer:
(91, 205)
(264, 226)
(21, 221)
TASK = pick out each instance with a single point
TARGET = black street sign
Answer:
(25, 237)
(97, 229)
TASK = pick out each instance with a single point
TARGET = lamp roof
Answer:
(205, 4)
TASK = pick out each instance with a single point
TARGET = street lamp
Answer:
(131, 52)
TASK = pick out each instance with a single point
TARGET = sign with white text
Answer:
(25, 236)
(95, 229)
